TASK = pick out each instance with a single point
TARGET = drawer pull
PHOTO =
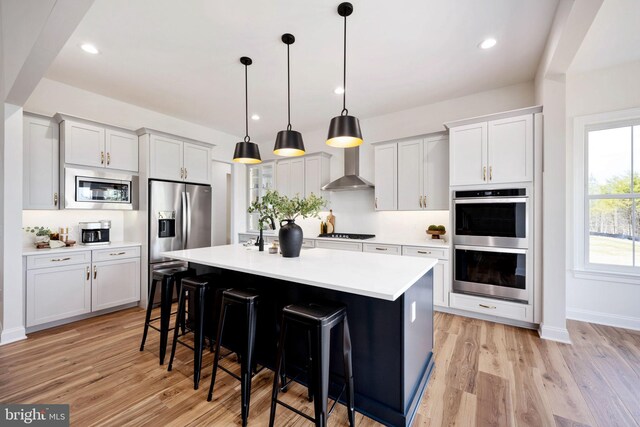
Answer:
(425, 252)
(382, 249)
(60, 259)
(117, 254)
(492, 307)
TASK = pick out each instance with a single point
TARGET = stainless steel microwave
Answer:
(92, 189)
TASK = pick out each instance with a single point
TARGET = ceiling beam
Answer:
(62, 21)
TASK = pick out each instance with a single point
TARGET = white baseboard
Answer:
(12, 335)
(601, 318)
(554, 333)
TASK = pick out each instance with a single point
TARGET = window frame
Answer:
(582, 266)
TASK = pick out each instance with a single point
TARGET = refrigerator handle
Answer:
(187, 220)
(184, 216)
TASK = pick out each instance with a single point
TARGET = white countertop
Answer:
(400, 241)
(31, 250)
(360, 273)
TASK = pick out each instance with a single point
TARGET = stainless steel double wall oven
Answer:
(492, 237)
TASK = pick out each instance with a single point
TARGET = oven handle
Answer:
(491, 200)
(491, 249)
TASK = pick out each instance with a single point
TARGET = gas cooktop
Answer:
(348, 236)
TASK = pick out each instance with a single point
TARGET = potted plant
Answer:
(436, 231)
(287, 210)
(266, 213)
(42, 233)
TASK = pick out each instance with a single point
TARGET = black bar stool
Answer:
(318, 320)
(198, 291)
(168, 278)
(246, 300)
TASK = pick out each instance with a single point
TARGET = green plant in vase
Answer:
(42, 233)
(287, 210)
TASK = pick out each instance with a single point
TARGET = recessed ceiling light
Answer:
(488, 43)
(89, 48)
(255, 117)
(339, 90)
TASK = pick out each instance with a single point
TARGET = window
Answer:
(612, 196)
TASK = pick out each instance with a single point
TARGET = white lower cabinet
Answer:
(440, 283)
(492, 307)
(382, 249)
(82, 282)
(115, 283)
(56, 293)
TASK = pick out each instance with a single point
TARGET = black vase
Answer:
(290, 238)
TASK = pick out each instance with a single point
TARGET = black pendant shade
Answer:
(344, 130)
(288, 142)
(246, 151)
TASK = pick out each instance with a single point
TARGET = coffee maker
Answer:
(95, 233)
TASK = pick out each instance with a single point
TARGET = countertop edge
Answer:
(31, 250)
(375, 240)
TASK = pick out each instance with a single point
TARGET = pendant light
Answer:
(288, 142)
(344, 130)
(246, 151)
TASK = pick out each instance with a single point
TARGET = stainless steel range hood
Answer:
(351, 179)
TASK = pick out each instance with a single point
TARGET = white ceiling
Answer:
(182, 58)
(613, 39)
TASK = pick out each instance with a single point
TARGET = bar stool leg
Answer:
(179, 318)
(348, 371)
(247, 363)
(321, 341)
(278, 374)
(165, 316)
(198, 338)
(309, 369)
(152, 294)
(216, 357)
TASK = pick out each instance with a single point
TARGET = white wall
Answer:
(599, 300)
(70, 218)
(354, 209)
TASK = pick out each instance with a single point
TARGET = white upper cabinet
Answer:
(492, 152)
(122, 150)
(197, 163)
(436, 174)
(177, 160)
(283, 177)
(40, 163)
(290, 177)
(510, 150)
(99, 146)
(410, 175)
(386, 177)
(83, 144)
(296, 187)
(422, 173)
(468, 148)
(316, 173)
(166, 158)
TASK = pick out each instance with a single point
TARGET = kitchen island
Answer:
(389, 303)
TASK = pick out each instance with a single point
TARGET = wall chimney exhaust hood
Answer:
(351, 179)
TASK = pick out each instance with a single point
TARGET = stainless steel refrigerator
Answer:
(179, 218)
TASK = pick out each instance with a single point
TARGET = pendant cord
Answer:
(247, 138)
(288, 91)
(344, 71)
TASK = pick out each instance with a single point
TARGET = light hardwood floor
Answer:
(486, 374)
